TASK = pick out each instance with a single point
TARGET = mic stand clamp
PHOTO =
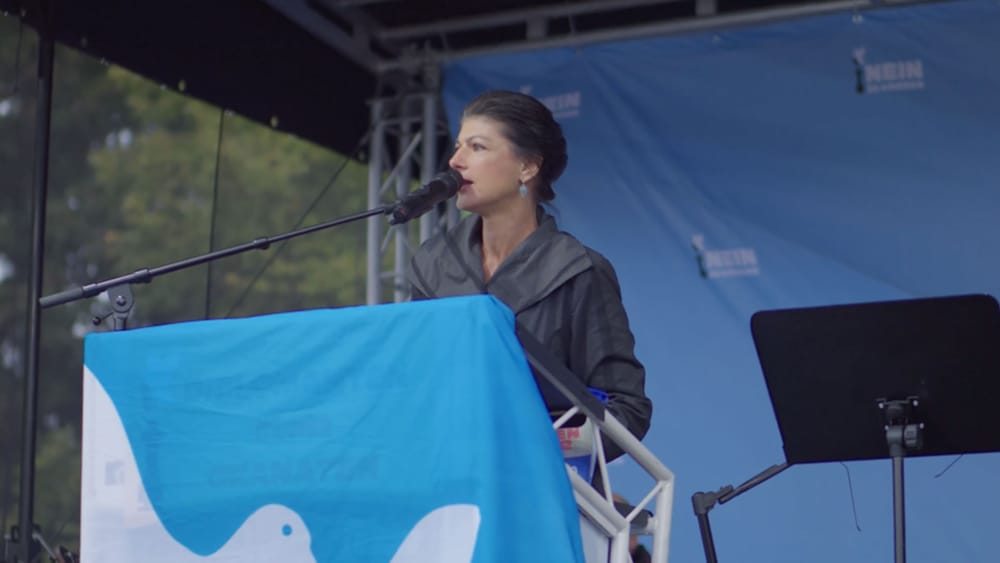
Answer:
(122, 302)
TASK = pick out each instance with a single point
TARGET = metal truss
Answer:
(407, 130)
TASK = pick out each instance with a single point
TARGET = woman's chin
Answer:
(466, 203)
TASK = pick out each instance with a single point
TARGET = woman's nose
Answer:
(457, 161)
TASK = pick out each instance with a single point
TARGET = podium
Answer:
(388, 433)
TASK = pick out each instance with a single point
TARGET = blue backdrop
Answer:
(834, 159)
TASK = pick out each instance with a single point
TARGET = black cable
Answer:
(943, 471)
(17, 56)
(850, 487)
(215, 213)
(274, 255)
(58, 535)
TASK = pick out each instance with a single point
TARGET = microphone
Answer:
(422, 200)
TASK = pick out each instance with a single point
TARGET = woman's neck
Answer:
(502, 233)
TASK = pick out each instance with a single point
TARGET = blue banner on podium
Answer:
(410, 432)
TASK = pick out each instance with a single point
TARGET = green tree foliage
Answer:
(133, 172)
(162, 174)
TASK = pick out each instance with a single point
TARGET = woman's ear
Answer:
(530, 169)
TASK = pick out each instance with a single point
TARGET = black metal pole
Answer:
(46, 54)
(901, 432)
(898, 509)
(703, 502)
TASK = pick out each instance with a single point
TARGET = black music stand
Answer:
(882, 380)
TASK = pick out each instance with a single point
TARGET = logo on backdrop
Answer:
(899, 75)
(562, 106)
(724, 263)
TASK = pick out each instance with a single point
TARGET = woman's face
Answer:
(491, 170)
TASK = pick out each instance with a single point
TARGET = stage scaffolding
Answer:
(405, 149)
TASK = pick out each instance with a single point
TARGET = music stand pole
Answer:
(898, 510)
(901, 435)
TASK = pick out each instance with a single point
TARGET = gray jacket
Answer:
(564, 293)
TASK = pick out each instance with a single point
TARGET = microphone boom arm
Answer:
(146, 275)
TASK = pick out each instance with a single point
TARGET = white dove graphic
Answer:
(445, 535)
(119, 523)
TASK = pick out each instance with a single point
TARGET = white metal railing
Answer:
(600, 509)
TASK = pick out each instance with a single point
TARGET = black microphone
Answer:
(422, 200)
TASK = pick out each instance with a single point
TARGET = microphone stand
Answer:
(119, 289)
(120, 292)
(703, 502)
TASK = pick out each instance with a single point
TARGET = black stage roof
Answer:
(309, 66)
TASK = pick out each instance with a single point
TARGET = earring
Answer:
(523, 190)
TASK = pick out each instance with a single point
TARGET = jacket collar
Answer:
(545, 260)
